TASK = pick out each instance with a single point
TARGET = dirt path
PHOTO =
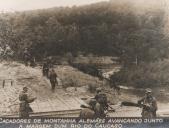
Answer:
(61, 99)
(39, 87)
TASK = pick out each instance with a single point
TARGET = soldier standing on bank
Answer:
(24, 108)
(149, 104)
(45, 69)
(53, 79)
(27, 56)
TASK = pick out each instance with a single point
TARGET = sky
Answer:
(21, 5)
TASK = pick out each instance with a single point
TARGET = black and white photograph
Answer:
(84, 59)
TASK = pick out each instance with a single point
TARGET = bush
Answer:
(144, 75)
(92, 88)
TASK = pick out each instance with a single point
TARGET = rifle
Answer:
(112, 109)
(125, 103)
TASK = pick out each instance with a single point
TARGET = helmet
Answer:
(148, 90)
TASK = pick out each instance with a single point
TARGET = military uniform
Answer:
(101, 98)
(24, 108)
(101, 105)
(45, 69)
(99, 111)
(98, 91)
(32, 62)
(52, 77)
(49, 62)
(27, 57)
(149, 106)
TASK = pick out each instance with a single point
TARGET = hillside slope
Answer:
(64, 97)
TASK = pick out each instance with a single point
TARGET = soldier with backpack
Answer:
(101, 104)
(101, 98)
(24, 108)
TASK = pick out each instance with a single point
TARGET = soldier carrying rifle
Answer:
(149, 105)
(101, 104)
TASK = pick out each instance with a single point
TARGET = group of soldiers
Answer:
(49, 72)
(47, 69)
(98, 106)
(24, 98)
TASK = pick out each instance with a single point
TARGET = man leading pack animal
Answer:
(149, 105)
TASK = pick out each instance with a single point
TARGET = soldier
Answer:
(45, 69)
(50, 62)
(101, 98)
(27, 56)
(32, 61)
(88, 111)
(24, 108)
(101, 104)
(149, 105)
(53, 78)
(7, 52)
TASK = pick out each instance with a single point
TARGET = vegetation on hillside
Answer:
(105, 28)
